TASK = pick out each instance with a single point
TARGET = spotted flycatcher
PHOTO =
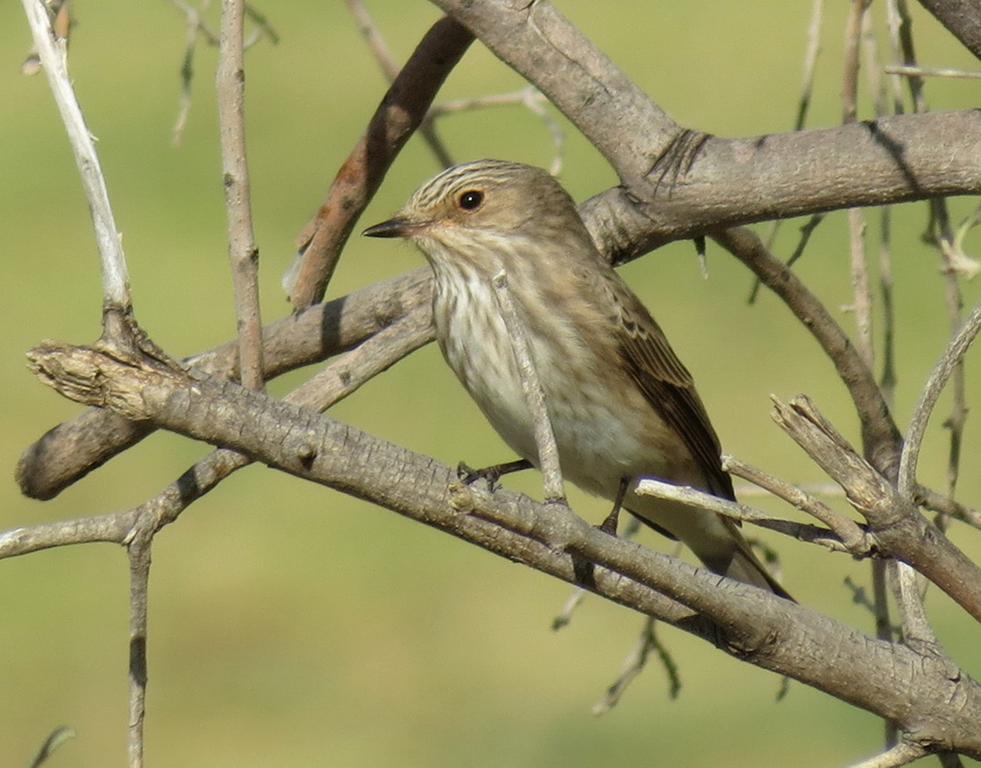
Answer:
(621, 405)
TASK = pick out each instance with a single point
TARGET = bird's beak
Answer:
(395, 227)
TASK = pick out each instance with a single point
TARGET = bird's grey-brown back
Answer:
(621, 404)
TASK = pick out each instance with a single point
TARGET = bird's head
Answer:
(490, 203)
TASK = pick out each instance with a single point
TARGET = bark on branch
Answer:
(914, 690)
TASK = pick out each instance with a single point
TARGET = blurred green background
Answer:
(291, 625)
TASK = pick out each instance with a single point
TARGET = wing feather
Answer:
(667, 384)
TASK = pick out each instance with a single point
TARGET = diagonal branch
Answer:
(401, 111)
(962, 18)
(54, 58)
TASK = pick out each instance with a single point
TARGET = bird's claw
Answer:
(468, 475)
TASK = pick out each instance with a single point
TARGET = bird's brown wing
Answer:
(667, 384)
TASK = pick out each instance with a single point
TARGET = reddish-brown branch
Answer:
(401, 111)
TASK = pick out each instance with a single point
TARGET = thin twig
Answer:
(195, 26)
(139, 576)
(889, 378)
(55, 739)
(54, 59)
(948, 362)
(806, 230)
(741, 512)
(548, 452)
(811, 52)
(862, 294)
(564, 617)
(904, 35)
(955, 306)
(917, 632)
(911, 71)
(901, 754)
(243, 255)
(853, 36)
(951, 256)
(263, 26)
(877, 87)
(530, 98)
(893, 24)
(634, 664)
(373, 37)
(880, 437)
(850, 533)
(938, 502)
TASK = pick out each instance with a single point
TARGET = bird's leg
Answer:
(613, 519)
(492, 473)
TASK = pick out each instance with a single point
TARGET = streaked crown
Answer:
(490, 195)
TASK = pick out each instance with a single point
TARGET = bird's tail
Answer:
(745, 566)
(715, 540)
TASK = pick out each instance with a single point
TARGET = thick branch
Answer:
(962, 18)
(71, 450)
(914, 690)
(737, 181)
(535, 40)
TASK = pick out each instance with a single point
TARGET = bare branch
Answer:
(901, 754)
(54, 59)
(962, 18)
(55, 739)
(951, 358)
(634, 664)
(548, 452)
(899, 529)
(139, 575)
(744, 620)
(917, 631)
(880, 437)
(195, 27)
(741, 512)
(73, 449)
(399, 114)
(535, 40)
(243, 254)
(375, 41)
(947, 506)
(851, 534)
(338, 380)
(530, 98)
(909, 71)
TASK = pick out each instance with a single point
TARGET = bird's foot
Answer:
(492, 474)
(609, 525)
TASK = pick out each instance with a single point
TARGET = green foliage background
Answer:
(291, 625)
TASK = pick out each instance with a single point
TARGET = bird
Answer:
(622, 406)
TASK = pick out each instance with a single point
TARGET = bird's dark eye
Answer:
(471, 200)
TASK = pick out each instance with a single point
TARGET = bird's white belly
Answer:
(597, 446)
